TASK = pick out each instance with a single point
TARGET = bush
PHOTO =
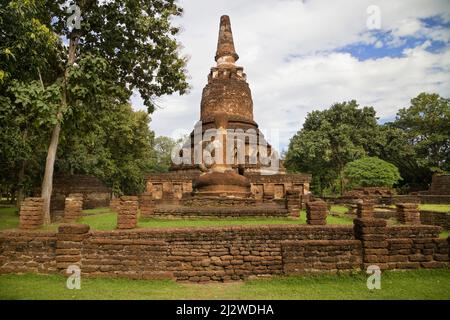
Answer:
(371, 172)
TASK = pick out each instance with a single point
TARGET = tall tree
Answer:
(116, 146)
(131, 41)
(27, 104)
(426, 124)
(330, 139)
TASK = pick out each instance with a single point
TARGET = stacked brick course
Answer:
(114, 204)
(293, 203)
(408, 213)
(440, 185)
(435, 218)
(31, 213)
(413, 247)
(146, 205)
(128, 212)
(316, 212)
(27, 252)
(321, 255)
(372, 233)
(69, 245)
(223, 253)
(364, 210)
(73, 207)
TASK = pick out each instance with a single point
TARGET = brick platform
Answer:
(31, 213)
(408, 213)
(73, 207)
(128, 212)
(316, 212)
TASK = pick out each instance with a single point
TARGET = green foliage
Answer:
(123, 46)
(115, 147)
(426, 124)
(371, 172)
(137, 40)
(163, 147)
(330, 139)
(417, 142)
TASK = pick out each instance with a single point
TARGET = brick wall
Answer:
(222, 253)
(440, 185)
(435, 218)
(320, 255)
(31, 213)
(27, 251)
(95, 193)
(416, 247)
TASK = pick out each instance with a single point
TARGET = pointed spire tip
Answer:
(225, 43)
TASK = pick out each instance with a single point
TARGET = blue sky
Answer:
(301, 56)
(385, 48)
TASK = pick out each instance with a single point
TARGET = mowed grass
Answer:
(105, 219)
(412, 284)
(435, 207)
(339, 209)
(9, 218)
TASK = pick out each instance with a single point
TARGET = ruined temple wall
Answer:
(440, 185)
(95, 193)
(27, 252)
(435, 218)
(222, 253)
(411, 247)
(173, 185)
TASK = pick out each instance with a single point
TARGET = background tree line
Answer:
(417, 142)
(65, 89)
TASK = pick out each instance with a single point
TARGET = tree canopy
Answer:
(417, 142)
(330, 139)
(371, 172)
(55, 77)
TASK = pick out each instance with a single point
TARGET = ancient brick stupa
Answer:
(221, 179)
(255, 172)
(228, 93)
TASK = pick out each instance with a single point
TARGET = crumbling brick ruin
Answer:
(226, 105)
(316, 212)
(30, 214)
(222, 190)
(408, 213)
(73, 207)
(128, 212)
(440, 185)
(224, 253)
(94, 193)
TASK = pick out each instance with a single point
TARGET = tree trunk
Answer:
(47, 183)
(20, 192)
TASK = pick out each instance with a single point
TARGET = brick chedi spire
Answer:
(227, 90)
(227, 95)
(225, 53)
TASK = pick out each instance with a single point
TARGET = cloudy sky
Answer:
(305, 55)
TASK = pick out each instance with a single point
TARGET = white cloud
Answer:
(286, 48)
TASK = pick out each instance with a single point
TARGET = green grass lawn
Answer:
(9, 218)
(416, 284)
(105, 219)
(435, 207)
(339, 209)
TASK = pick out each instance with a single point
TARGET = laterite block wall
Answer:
(225, 253)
